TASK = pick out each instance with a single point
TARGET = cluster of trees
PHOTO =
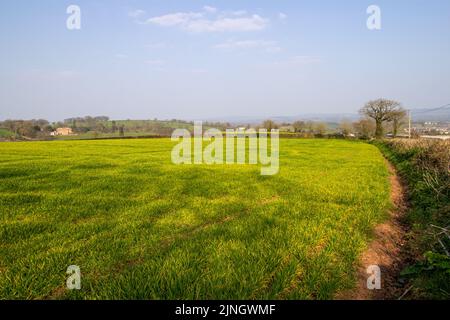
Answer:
(378, 116)
(382, 112)
(310, 127)
(218, 125)
(40, 128)
(28, 128)
(363, 128)
(86, 124)
(104, 125)
(306, 128)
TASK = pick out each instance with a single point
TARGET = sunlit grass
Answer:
(140, 227)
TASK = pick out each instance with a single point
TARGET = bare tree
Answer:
(380, 110)
(320, 129)
(397, 118)
(309, 126)
(299, 126)
(114, 126)
(365, 128)
(346, 127)
(269, 125)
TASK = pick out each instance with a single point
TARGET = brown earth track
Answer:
(387, 250)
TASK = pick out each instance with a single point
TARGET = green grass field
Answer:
(4, 133)
(141, 227)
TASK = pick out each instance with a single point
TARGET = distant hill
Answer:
(325, 117)
(418, 115)
(438, 114)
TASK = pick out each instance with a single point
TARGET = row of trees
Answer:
(41, 128)
(37, 128)
(311, 127)
(86, 124)
(28, 128)
(104, 125)
(377, 117)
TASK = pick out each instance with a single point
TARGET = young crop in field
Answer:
(238, 146)
(139, 226)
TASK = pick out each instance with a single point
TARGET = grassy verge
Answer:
(424, 164)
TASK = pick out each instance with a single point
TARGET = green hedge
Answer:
(424, 165)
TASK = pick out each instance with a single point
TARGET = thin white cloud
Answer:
(250, 23)
(136, 13)
(158, 45)
(174, 19)
(121, 56)
(305, 59)
(274, 49)
(155, 62)
(298, 61)
(67, 74)
(50, 75)
(239, 12)
(210, 9)
(197, 22)
(269, 46)
(198, 71)
(282, 16)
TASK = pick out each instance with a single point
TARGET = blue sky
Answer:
(206, 59)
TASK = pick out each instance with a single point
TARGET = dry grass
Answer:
(431, 158)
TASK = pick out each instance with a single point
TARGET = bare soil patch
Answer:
(387, 250)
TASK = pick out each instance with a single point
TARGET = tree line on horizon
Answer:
(378, 116)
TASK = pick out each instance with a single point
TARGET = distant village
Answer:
(432, 128)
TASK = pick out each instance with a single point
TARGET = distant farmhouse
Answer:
(287, 129)
(62, 132)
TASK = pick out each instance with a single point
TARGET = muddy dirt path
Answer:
(387, 250)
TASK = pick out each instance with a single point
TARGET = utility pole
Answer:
(409, 124)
